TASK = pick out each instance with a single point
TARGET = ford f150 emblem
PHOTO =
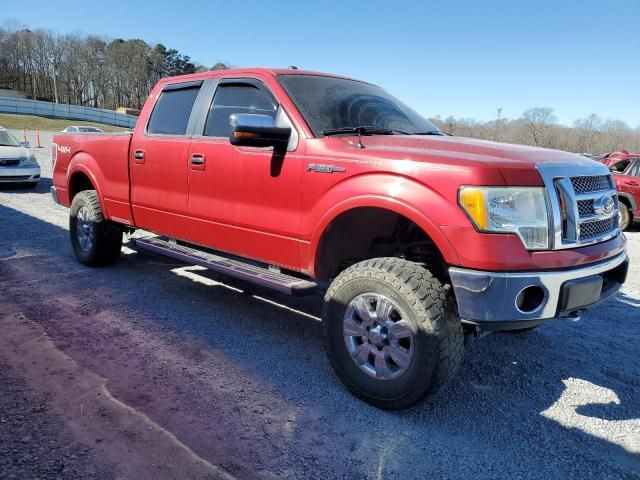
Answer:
(604, 205)
(321, 168)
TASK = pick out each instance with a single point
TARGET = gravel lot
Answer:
(160, 370)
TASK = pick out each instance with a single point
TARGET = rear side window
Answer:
(236, 98)
(635, 169)
(172, 110)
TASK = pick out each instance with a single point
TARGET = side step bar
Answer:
(264, 277)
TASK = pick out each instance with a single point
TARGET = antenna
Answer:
(359, 130)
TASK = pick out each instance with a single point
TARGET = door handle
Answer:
(138, 156)
(197, 159)
(633, 183)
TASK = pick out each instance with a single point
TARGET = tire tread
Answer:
(431, 301)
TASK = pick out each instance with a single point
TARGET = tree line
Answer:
(539, 127)
(93, 71)
(86, 70)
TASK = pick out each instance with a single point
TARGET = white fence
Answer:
(23, 106)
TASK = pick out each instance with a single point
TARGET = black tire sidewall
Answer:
(425, 354)
(88, 257)
(107, 240)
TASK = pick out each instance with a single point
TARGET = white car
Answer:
(17, 164)
(82, 129)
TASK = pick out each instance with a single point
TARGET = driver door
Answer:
(244, 200)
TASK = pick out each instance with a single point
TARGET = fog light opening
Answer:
(530, 299)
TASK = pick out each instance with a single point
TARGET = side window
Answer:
(635, 169)
(236, 98)
(621, 166)
(171, 112)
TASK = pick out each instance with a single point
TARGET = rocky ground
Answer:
(156, 369)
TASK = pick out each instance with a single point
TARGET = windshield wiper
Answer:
(432, 132)
(362, 130)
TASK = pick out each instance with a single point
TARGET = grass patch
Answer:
(30, 122)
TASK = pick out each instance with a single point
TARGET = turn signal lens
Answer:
(472, 201)
(246, 135)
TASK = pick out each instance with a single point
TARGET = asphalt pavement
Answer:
(156, 369)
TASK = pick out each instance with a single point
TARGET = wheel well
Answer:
(626, 201)
(79, 182)
(370, 232)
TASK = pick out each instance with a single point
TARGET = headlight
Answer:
(519, 210)
(29, 161)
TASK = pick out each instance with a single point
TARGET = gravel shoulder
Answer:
(34, 441)
(200, 378)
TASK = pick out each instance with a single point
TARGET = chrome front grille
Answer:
(596, 229)
(597, 183)
(583, 201)
(9, 162)
(585, 208)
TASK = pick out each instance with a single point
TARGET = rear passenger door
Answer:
(159, 162)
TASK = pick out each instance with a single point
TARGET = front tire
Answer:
(391, 333)
(625, 216)
(95, 240)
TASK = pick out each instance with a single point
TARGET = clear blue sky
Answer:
(461, 58)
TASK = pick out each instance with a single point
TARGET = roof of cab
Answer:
(248, 72)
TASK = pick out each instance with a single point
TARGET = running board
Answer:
(264, 277)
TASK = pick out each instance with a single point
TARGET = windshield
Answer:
(329, 103)
(8, 140)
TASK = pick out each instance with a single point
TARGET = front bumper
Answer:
(511, 300)
(19, 174)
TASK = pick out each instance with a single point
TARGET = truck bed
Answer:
(74, 156)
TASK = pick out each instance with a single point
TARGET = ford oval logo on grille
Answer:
(604, 205)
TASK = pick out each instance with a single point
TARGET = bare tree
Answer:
(587, 130)
(539, 122)
(589, 135)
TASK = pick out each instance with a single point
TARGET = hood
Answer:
(12, 153)
(515, 162)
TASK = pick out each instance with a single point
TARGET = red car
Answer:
(626, 175)
(297, 180)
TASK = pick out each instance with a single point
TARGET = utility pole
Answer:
(498, 125)
(499, 113)
(55, 84)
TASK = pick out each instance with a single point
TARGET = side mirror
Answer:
(252, 130)
(25, 144)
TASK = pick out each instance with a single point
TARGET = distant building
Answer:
(129, 111)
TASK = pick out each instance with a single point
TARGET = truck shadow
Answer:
(520, 403)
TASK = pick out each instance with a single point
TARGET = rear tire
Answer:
(95, 240)
(398, 358)
(625, 216)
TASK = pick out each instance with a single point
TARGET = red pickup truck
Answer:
(300, 180)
